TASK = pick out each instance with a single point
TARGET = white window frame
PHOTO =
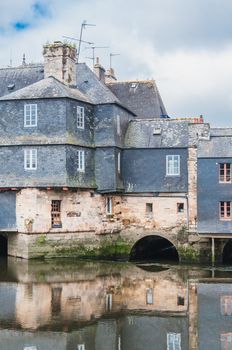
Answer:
(109, 301)
(173, 341)
(30, 159)
(173, 165)
(81, 161)
(149, 296)
(30, 115)
(119, 163)
(80, 117)
(81, 347)
(109, 206)
(118, 123)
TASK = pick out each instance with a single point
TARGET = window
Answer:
(30, 115)
(226, 305)
(225, 173)
(225, 211)
(81, 161)
(109, 207)
(56, 300)
(180, 207)
(180, 300)
(226, 341)
(109, 302)
(80, 117)
(30, 159)
(149, 295)
(119, 162)
(173, 341)
(149, 208)
(173, 165)
(81, 347)
(56, 213)
(118, 125)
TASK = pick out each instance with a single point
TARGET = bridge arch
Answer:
(227, 252)
(154, 248)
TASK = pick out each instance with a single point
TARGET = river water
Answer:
(89, 305)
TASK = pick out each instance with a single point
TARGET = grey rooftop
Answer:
(160, 133)
(141, 97)
(46, 88)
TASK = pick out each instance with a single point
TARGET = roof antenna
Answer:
(83, 25)
(24, 60)
(93, 53)
(111, 55)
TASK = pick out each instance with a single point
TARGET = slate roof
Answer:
(88, 83)
(216, 147)
(18, 78)
(221, 131)
(159, 133)
(141, 97)
(46, 88)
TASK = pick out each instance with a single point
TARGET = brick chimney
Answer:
(60, 62)
(110, 76)
(99, 71)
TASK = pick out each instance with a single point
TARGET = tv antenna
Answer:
(93, 51)
(84, 24)
(112, 55)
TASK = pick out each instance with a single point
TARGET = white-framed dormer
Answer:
(30, 115)
(80, 117)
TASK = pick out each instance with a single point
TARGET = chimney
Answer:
(60, 62)
(110, 76)
(99, 71)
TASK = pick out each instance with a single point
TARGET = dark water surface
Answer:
(84, 305)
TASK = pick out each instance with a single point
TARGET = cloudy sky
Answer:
(185, 45)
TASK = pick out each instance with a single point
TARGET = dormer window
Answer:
(30, 115)
(80, 117)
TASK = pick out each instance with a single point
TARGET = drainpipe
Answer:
(187, 200)
(213, 252)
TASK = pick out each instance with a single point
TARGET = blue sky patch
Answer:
(21, 25)
(40, 10)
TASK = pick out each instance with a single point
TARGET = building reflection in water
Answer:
(119, 306)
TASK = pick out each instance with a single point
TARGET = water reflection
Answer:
(67, 305)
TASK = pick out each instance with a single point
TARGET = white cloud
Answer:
(171, 41)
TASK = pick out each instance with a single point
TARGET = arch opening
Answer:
(227, 253)
(154, 248)
(3, 246)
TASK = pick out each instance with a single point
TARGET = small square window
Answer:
(149, 208)
(180, 207)
(180, 300)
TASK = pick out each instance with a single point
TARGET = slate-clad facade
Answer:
(82, 150)
(215, 183)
